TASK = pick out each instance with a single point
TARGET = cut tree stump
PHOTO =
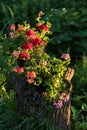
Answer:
(30, 100)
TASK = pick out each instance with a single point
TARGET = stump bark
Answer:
(31, 100)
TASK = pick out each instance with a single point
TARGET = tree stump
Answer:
(31, 100)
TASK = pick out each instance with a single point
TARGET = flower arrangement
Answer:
(39, 69)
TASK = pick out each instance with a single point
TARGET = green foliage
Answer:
(50, 75)
(11, 12)
(79, 120)
(69, 32)
(79, 100)
(11, 117)
(68, 20)
(8, 115)
(80, 78)
(49, 71)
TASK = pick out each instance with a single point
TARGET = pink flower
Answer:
(30, 33)
(12, 35)
(37, 41)
(30, 80)
(42, 27)
(27, 46)
(12, 27)
(24, 56)
(16, 53)
(19, 69)
(44, 63)
(41, 13)
(58, 104)
(65, 56)
(31, 74)
(64, 97)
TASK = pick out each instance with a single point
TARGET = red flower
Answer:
(20, 28)
(30, 33)
(43, 27)
(27, 46)
(30, 77)
(19, 69)
(12, 27)
(37, 41)
(31, 74)
(24, 56)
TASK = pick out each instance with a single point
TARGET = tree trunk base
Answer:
(31, 101)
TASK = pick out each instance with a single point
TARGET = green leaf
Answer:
(73, 112)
